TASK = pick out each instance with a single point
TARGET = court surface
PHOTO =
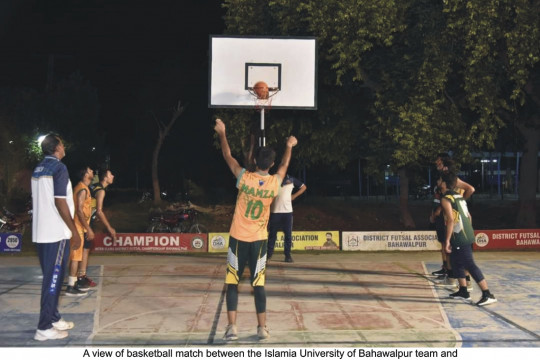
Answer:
(336, 299)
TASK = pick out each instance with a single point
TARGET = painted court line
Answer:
(441, 309)
(511, 323)
(504, 320)
(219, 308)
(97, 311)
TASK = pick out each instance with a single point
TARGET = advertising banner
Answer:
(151, 243)
(390, 241)
(10, 242)
(519, 239)
(218, 242)
(301, 240)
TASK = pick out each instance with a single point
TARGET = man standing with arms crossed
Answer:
(52, 227)
(248, 234)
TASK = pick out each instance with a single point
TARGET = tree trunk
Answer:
(528, 172)
(405, 213)
(155, 177)
(163, 131)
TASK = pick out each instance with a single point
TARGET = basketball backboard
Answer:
(288, 65)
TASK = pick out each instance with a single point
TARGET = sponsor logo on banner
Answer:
(152, 243)
(197, 243)
(219, 242)
(390, 240)
(481, 239)
(519, 239)
(301, 240)
(10, 242)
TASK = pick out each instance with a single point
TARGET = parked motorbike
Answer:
(168, 222)
(9, 223)
(180, 221)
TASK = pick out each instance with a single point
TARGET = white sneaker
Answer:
(448, 283)
(63, 325)
(50, 334)
(262, 333)
(231, 333)
(486, 300)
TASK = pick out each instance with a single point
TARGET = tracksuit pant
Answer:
(53, 258)
(284, 222)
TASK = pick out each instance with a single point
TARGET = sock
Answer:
(72, 280)
(486, 293)
(463, 290)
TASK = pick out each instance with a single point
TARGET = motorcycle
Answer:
(10, 224)
(181, 221)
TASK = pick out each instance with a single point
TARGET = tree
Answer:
(163, 131)
(529, 126)
(385, 56)
(331, 134)
(70, 108)
(13, 161)
(500, 62)
(435, 71)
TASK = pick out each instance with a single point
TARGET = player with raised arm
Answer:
(248, 238)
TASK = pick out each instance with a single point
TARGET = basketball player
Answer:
(445, 163)
(248, 234)
(83, 213)
(458, 241)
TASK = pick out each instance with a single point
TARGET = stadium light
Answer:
(40, 139)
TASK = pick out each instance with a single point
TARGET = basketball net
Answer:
(264, 103)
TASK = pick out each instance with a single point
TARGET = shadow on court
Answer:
(338, 299)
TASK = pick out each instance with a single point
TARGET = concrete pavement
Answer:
(329, 299)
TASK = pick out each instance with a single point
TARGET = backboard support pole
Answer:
(262, 138)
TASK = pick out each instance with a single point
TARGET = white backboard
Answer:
(285, 64)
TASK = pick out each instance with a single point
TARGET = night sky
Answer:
(141, 56)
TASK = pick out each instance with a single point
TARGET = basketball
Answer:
(261, 90)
